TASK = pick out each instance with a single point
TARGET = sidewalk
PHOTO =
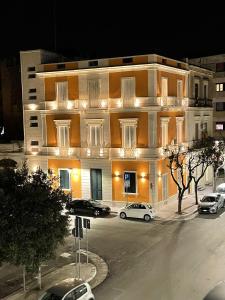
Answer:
(168, 210)
(94, 272)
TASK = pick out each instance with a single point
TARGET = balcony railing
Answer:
(95, 152)
(200, 102)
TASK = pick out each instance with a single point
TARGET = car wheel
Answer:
(96, 213)
(123, 215)
(147, 218)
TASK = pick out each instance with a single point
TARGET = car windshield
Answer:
(50, 296)
(208, 199)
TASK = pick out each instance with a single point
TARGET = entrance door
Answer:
(96, 184)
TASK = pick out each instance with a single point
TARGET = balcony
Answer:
(57, 151)
(95, 152)
(200, 102)
(134, 153)
(172, 101)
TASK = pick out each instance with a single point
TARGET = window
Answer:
(95, 135)
(220, 67)
(31, 69)
(164, 87)
(164, 130)
(32, 90)
(179, 89)
(31, 76)
(205, 90)
(32, 97)
(196, 90)
(130, 182)
(63, 126)
(93, 63)
(220, 125)
(128, 90)
(220, 106)
(61, 66)
(127, 60)
(62, 91)
(196, 131)
(34, 143)
(219, 87)
(93, 89)
(33, 121)
(64, 179)
(128, 126)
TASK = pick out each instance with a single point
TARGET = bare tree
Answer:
(179, 163)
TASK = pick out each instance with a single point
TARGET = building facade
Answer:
(216, 63)
(102, 125)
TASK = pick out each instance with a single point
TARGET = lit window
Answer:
(62, 91)
(64, 179)
(220, 126)
(130, 182)
(219, 87)
(129, 126)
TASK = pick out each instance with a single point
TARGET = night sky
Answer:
(110, 28)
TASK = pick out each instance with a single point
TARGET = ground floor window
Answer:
(130, 182)
(64, 179)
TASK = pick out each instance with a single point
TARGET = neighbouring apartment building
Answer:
(216, 63)
(102, 125)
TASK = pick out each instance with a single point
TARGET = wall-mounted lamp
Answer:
(159, 175)
(117, 175)
(75, 173)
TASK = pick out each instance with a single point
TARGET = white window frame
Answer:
(164, 130)
(164, 92)
(205, 83)
(196, 81)
(90, 123)
(219, 87)
(128, 96)
(66, 125)
(61, 85)
(128, 123)
(179, 127)
(136, 183)
(93, 95)
(69, 170)
(180, 93)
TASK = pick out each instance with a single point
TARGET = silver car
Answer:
(211, 203)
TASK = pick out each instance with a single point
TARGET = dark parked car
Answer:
(87, 207)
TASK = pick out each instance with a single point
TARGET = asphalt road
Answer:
(171, 260)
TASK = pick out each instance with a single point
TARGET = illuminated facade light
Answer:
(88, 152)
(69, 105)
(119, 103)
(121, 152)
(84, 104)
(103, 103)
(32, 106)
(101, 152)
(137, 103)
(57, 152)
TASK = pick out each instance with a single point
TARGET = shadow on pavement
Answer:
(210, 216)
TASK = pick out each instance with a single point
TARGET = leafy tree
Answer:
(8, 163)
(31, 220)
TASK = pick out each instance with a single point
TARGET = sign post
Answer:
(77, 231)
(87, 225)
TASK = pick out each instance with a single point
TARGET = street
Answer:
(170, 260)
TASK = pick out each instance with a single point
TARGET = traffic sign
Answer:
(86, 223)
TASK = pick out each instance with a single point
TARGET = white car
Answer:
(76, 289)
(211, 203)
(221, 188)
(137, 210)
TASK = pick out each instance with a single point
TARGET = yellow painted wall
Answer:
(74, 129)
(74, 165)
(53, 67)
(172, 83)
(172, 130)
(50, 89)
(118, 167)
(142, 128)
(136, 60)
(141, 78)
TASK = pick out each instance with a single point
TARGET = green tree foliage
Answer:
(31, 221)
